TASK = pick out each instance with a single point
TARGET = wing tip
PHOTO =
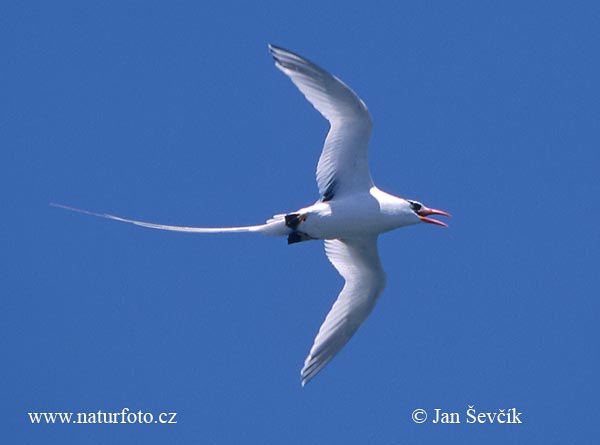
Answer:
(305, 377)
(275, 53)
(313, 365)
(274, 49)
(281, 55)
(306, 374)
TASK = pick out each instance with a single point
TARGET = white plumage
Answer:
(343, 163)
(357, 261)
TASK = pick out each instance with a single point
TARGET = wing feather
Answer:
(343, 166)
(357, 261)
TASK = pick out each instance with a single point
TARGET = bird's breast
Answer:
(345, 218)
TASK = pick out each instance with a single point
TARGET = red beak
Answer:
(425, 212)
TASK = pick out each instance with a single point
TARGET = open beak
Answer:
(425, 212)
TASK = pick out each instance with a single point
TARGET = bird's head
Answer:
(423, 213)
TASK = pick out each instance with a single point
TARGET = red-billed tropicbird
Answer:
(349, 216)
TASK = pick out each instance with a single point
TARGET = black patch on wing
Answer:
(329, 192)
(293, 220)
(297, 237)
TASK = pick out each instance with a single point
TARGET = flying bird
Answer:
(349, 216)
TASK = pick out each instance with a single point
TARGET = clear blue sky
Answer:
(173, 112)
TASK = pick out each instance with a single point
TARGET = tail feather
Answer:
(258, 228)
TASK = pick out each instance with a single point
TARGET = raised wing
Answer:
(357, 261)
(343, 166)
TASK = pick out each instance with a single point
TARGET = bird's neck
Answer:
(394, 210)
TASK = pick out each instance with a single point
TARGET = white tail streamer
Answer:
(275, 226)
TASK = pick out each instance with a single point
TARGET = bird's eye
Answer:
(415, 206)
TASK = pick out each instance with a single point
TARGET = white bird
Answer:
(349, 216)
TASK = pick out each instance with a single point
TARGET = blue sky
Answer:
(174, 113)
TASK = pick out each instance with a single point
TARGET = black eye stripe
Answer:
(415, 206)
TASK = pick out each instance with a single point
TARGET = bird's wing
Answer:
(357, 261)
(343, 166)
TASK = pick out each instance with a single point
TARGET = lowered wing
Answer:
(357, 261)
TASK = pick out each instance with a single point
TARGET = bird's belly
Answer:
(338, 221)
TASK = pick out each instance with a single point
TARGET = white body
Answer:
(356, 215)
